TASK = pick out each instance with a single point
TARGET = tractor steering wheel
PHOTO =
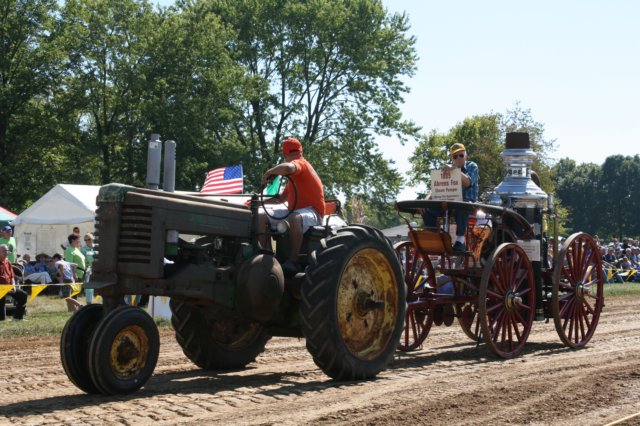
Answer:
(282, 184)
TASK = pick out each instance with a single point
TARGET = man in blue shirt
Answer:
(469, 176)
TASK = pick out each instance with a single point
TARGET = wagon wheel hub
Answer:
(512, 301)
(582, 291)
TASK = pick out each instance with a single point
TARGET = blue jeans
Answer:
(430, 218)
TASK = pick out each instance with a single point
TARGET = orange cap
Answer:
(291, 145)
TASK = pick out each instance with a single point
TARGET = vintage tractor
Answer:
(510, 276)
(228, 294)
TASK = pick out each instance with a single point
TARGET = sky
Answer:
(574, 64)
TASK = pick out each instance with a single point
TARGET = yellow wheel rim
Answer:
(129, 352)
(367, 303)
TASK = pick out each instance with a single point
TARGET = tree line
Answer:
(598, 199)
(84, 83)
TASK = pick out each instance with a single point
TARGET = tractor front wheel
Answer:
(74, 346)
(124, 351)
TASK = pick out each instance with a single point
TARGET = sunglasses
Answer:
(454, 156)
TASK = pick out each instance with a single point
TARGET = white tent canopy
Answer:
(46, 224)
(63, 204)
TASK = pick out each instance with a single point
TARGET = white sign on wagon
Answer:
(446, 185)
(531, 248)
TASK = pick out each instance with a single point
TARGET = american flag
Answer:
(225, 180)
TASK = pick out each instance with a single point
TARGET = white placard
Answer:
(446, 185)
(532, 248)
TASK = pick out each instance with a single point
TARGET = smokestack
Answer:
(169, 177)
(517, 190)
(154, 157)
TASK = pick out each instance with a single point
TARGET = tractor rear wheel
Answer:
(578, 293)
(353, 303)
(214, 344)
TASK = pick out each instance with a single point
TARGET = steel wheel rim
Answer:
(129, 352)
(507, 300)
(418, 320)
(367, 303)
(578, 290)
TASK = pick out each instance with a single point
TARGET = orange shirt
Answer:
(310, 192)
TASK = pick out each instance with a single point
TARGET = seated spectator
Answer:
(35, 273)
(7, 277)
(41, 263)
(634, 256)
(610, 256)
(65, 273)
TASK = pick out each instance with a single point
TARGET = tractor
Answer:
(228, 294)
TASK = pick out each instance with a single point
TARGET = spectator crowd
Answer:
(621, 260)
(73, 265)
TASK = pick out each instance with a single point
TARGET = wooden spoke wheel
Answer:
(467, 313)
(577, 297)
(506, 301)
(123, 351)
(419, 276)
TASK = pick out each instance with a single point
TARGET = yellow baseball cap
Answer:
(457, 147)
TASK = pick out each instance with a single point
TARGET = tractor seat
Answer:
(332, 207)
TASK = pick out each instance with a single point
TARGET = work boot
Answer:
(459, 248)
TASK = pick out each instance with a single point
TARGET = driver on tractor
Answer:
(308, 203)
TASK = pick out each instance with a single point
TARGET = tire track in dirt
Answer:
(450, 381)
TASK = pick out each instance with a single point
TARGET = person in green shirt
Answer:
(73, 254)
(87, 249)
(7, 238)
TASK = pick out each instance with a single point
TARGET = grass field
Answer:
(47, 315)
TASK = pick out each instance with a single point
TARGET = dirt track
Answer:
(450, 381)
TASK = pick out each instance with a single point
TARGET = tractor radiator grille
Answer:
(135, 234)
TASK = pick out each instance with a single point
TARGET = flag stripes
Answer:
(225, 180)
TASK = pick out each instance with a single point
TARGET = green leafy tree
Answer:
(580, 192)
(483, 137)
(330, 73)
(620, 195)
(29, 67)
(194, 91)
(108, 44)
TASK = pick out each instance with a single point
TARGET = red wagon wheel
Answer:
(418, 273)
(467, 313)
(506, 302)
(578, 296)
